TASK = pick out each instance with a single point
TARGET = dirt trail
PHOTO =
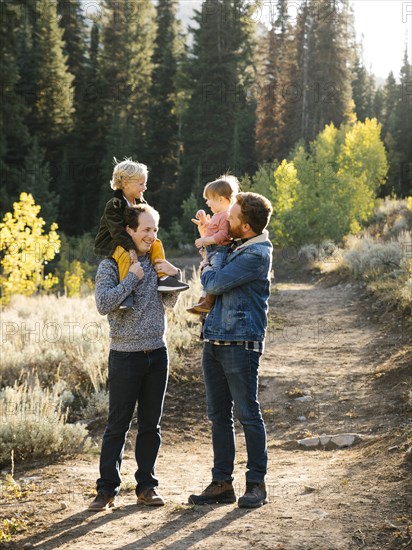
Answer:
(320, 341)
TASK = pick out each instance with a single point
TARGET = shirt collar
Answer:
(237, 242)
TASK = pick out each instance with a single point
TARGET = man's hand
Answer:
(199, 243)
(163, 266)
(137, 269)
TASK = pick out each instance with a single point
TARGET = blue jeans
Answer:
(216, 254)
(136, 377)
(231, 378)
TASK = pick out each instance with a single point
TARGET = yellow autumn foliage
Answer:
(25, 249)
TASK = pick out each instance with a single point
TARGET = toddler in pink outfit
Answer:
(219, 195)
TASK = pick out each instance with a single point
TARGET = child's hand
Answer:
(133, 255)
(163, 266)
(201, 220)
(199, 243)
(201, 216)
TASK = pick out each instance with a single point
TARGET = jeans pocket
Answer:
(119, 354)
(119, 364)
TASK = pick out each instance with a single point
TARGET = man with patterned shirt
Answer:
(138, 360)
(233, 334)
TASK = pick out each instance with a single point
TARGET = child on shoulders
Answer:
(128, 181)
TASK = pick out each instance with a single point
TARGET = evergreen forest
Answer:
(230, 93)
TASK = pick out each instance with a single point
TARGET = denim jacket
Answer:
(242, 287)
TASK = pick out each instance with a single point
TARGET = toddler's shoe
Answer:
(193, 308)
(204, 305)
(171, 284)
(127, 303)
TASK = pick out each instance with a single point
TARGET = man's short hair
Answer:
(255, 210)
(132, 214)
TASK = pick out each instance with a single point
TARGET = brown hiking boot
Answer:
(102, 501)
(149, 497)
(254, 497)
(218, 492)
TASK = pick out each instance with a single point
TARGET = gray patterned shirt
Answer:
(144, 327)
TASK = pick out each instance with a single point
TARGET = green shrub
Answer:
(329, 190)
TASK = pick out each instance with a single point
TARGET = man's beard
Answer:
(235, 232)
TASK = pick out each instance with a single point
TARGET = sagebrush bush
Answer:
(389, 206)
(34, 423)
(326, 251)
(370, 259)
(381, 254)
(391, 218)
(97, 406)
(54, 337)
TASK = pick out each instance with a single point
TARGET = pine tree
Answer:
(35, 179)
(220, 59)
(53, 110)
(370, 94)
(361, 88)
(89, 141)
(266, 129)
(329, 90)
(378, 104)
(245, 123)
(71, 202)
(13, 131)
(274, 79)
(75, 45)
(127, 38)
(391, 99)
(26, 86)
(403, 133)
(297, 92)
(163, 129)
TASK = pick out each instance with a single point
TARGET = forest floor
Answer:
(324, 341)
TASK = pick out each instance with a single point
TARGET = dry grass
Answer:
(54, 361)
(54, 338)
(34, 423)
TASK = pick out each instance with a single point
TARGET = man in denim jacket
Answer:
(234, 333)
